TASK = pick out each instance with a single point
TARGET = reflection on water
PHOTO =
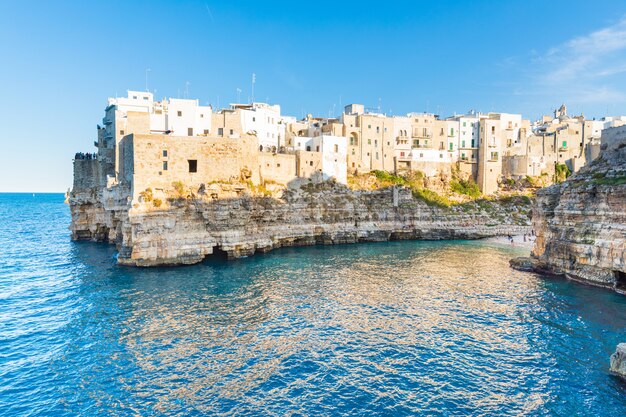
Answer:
(400, 328)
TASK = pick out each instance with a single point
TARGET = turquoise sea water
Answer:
(399, 328)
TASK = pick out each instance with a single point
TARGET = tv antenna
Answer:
(147, 71)
(253, 81)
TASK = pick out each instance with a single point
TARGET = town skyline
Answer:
(308, 61)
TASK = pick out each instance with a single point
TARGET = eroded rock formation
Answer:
(581, 224)
(618, 361)
(231, 219)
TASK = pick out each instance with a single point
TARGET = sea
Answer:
(405, 328)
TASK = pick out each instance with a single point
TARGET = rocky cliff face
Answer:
(581, 224)
(231, 220)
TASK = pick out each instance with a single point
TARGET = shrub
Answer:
(561, 172)
(430, 197)
(146, 195)
(389, 177)
(157, 202)
(466, 187)
(179, 187)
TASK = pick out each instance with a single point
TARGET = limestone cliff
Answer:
(231, 219)
(581, 224)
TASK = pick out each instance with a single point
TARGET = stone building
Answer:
(259, 143)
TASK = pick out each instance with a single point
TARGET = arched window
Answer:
(354, 139)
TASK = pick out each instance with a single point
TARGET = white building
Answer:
(334, 150)
(178, 117)
(265, 121)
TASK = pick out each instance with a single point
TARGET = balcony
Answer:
(469, 160)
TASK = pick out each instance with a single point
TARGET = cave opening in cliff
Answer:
(217, 255)
(620, 280)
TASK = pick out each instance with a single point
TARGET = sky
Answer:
(59, 61)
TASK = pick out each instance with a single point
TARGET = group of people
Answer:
(82, 155)
(527, 237)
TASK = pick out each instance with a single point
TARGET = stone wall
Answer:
(278, 168)
(86, 174)
(160, 160)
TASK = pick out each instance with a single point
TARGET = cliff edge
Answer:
(186, 225)
(581, 224)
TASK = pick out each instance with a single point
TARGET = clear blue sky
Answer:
(61, 60)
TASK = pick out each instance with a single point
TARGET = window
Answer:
(421, 155)
(317, 148)
(201, 116)
(493, 129)
(385, 129)
(336, 148)
(277, 165)
(462, 144)
(369, 141)
(190, 131)
(494, 156)
(180, 113)
(402, 154)
(376, 155)
(164, 165)
(451, 131)
(254, 119)
(193, 165)
(232, 131)
(369, 126)
(376, 142)
(564, 144)
(220, 131)
(206, 131)
(308, 148)
(164, 153)
(122, 132)
(464, 124)
(472, 143)
(440, 155)
(311, 163)
(352, 151)
(377, 129)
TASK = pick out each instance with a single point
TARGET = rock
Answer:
(618, 360)
(524, 264)
(187, 230)
(581, 224)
